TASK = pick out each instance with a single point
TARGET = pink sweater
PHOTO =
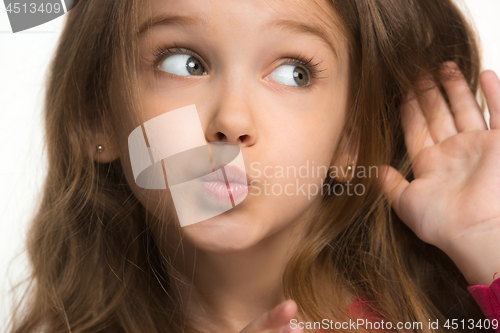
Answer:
(488, 299)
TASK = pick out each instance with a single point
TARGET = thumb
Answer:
(393, 184)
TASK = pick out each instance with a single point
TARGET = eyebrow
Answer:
(296, 26)
(301, 27)
(163, 19)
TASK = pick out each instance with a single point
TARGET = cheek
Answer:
(292, 164)
(157, 202)
(302, 131)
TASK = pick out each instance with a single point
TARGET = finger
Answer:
(468, 116)
(278, 317)
(491, 88)
(436, 111)
(394, 184)
(415, 127)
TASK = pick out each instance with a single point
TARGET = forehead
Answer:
(218, 9)
(247, 16)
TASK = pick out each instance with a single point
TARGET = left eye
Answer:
(182, 64)
(290, 75)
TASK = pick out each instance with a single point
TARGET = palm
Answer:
(456, 186)
(455, 161)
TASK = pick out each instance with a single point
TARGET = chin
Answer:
(231, 232)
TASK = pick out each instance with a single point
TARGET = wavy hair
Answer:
(95, 264)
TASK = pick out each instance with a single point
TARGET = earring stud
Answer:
(349, 169)
(99, 148)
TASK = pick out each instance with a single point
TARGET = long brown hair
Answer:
(95, 263)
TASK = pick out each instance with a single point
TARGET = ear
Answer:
(344, 163)
(103, 147)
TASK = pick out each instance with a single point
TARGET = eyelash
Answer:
(312, 68)
(161, 53)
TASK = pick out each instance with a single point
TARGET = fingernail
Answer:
(450, 65)
(286, 329)
(281, 306)
(450, 68)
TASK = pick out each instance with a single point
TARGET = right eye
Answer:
(182, 65)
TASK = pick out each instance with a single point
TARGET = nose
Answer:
(232, 119)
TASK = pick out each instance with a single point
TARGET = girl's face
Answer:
(270, 76)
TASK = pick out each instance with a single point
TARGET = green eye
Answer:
(182, 65)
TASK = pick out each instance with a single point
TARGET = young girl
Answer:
(379, 93)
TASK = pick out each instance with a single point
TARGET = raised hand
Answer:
(454, 201)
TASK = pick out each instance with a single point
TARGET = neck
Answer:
(234, 288)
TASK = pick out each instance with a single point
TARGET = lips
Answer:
(227, 184)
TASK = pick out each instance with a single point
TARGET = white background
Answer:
(24, 58)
